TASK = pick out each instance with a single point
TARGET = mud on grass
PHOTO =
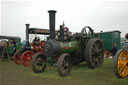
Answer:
(12, 74)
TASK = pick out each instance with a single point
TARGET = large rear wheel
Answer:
(120, 63)
(64, 65)
(94, 53)
(38, 63)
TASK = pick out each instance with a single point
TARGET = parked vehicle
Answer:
(66, 49)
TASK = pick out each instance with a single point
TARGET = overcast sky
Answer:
(106, 15)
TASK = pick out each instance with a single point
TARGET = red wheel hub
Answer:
(17, 57)
(27, 57)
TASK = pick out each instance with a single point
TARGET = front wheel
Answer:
(120, 64)
(64, 65)
(38, 63)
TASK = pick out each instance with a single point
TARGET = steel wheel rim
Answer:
(65, 65)
(122, 64)
(97, 53)
(39, 63)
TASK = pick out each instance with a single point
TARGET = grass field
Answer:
(12, 74)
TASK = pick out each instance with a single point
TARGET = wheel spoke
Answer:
(121, 68)
(17, 57)
(38, 63)
(122, 64)
(124, 72)
(100, 51)
(96, 53)
(93, 58)
(27, 57)
(64, 65)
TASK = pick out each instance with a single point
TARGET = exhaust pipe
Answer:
(52, 23)
(27, 32)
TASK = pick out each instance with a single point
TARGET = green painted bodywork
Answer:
(68, 47)
(10, 49)
(51, 60)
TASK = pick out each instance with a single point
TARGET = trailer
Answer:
(110, 37)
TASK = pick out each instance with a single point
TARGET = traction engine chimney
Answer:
(27, 32)
(52, 23)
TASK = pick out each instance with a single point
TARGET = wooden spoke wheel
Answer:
(27, 58)
(64, 65)
(17, 57)
(121, 63)
(94, 53)
(38, 63)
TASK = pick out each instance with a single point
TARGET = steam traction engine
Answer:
(121, 62)
(67, 49)
(24, 55)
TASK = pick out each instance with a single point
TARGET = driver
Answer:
(36, 41)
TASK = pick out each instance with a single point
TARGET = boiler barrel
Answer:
(55, 48)
(69, 47)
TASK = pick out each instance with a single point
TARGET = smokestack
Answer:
(27, 32)
(52, 23)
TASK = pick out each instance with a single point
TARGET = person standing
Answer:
(114, 49)
(2, 45)
(0, 48)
